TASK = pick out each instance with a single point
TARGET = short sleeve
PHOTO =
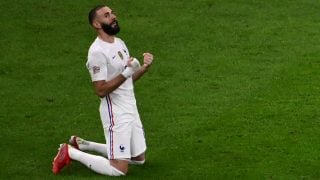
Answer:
(97, 66)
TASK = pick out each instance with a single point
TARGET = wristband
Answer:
(127, 72)
(135, 65)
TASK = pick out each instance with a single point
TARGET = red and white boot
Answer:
(62, 159)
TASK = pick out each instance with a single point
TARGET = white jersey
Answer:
(105, 62)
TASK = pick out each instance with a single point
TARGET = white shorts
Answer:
(125, 140)
(123, 130)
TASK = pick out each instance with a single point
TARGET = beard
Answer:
(109, 29)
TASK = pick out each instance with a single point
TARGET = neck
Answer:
(105, 37)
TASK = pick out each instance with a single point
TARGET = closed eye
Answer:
(107, 14)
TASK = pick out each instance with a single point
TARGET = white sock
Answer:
(93, 146)
(98, 164)
(136, 162)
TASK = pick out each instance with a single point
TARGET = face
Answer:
(107, 21)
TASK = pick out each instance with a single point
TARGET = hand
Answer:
(133, 63)
(147, 59)
(132, 66)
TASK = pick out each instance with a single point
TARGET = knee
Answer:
(120, 167)
(117, 172)
(138, 160)
(140, 157)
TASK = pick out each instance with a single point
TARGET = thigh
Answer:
(138, 141)
(118, 140)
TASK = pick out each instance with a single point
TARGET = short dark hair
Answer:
(93, 13)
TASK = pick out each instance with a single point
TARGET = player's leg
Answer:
(138, 143)
(117, 134)
(138, 160)
(85, 145)
(117, 151)
(98, 164)
(118, 141)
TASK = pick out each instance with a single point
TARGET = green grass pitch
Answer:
(234, 92)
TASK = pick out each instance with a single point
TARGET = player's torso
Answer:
(117, 56)
(121, 100)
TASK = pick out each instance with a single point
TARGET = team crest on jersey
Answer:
(120, 54)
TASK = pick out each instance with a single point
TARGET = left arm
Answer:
(147, 61)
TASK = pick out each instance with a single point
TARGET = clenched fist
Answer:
(147, 59)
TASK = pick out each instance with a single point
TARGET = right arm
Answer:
(98, 71)
(102, 88)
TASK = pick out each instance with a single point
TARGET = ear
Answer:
(96, 25)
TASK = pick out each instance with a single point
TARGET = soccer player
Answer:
(113, 72)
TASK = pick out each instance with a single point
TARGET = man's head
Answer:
(102, 18)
